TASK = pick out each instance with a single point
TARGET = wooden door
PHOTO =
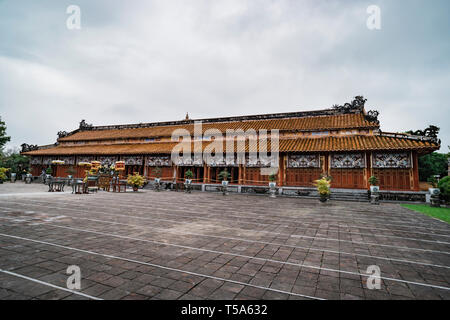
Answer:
(393, 179)
(302, 177)
(347, 178)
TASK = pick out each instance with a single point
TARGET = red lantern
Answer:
(120, 165)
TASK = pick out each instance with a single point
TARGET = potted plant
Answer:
(223, 176)
(136, 181)
(3, 176)
(28, 177)
(188, 175)
(272, 185)
(48, 172)
(434, 191)
(70, 173)
(323, 187)
(374, 190)
(157, 173)
(373, 181)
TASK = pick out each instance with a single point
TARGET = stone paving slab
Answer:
(173, 245)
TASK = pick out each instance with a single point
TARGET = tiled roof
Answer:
(309, 123)
(355, 143)
(316, 144)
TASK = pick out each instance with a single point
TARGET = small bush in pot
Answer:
(323, 187)
(188, 175)
(3, 176)
(373, 181)
(223, 176)
(157, 173)
(136, 181)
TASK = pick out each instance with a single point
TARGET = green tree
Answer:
(15, 161)
(432, 164)
(3, 137)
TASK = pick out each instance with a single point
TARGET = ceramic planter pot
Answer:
(374, 189)
(135, 188)
(323, 198)
(225, 183)
(28, 178)
(434, 197)
(434, 191)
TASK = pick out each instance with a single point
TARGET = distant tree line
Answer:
(11, 158)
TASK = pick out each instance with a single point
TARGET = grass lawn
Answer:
(439, 213)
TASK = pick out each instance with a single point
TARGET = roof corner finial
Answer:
(187, 116)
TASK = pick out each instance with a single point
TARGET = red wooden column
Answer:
(415, 171)
(244, 174)
(241, 174)
(281, 170)
(368, 169)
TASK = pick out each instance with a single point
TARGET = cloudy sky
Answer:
(145, 61)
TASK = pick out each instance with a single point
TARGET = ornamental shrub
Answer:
(444, 186)
(373, 181)
(224, 175)
(189, 174)
(323, 186)
(3, 171)
(136, 180)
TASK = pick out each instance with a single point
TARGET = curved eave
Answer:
(299, 145)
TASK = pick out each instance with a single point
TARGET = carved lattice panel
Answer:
(348, 161)
(36, 160)
(158, 161)
(68, 160)
(391, 160)
(107, 160)
(223, 162)
(85, 159)
(189, 161)
(133, 160)
(304, 161)
(258, 162)
(47, 160)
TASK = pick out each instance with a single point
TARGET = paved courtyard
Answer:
(172, 245)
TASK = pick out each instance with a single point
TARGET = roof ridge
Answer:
(254, 117)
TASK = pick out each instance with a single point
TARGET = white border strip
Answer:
(159, 266)
(162, 230)
(49, 284)
(228, 253)
(271, 232)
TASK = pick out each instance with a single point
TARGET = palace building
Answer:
(344, 142)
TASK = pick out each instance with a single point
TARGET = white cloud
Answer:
(156, 60)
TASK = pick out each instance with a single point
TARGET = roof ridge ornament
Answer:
(430, 133)
(29, 147)
(357, 106)
(62, 134)
(84, 125)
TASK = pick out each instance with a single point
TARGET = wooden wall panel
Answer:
(302, 177)
(166, 172)
(253, 177)
(347, 178)
(393, 179)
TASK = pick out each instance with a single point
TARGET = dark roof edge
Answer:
(283, 115)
